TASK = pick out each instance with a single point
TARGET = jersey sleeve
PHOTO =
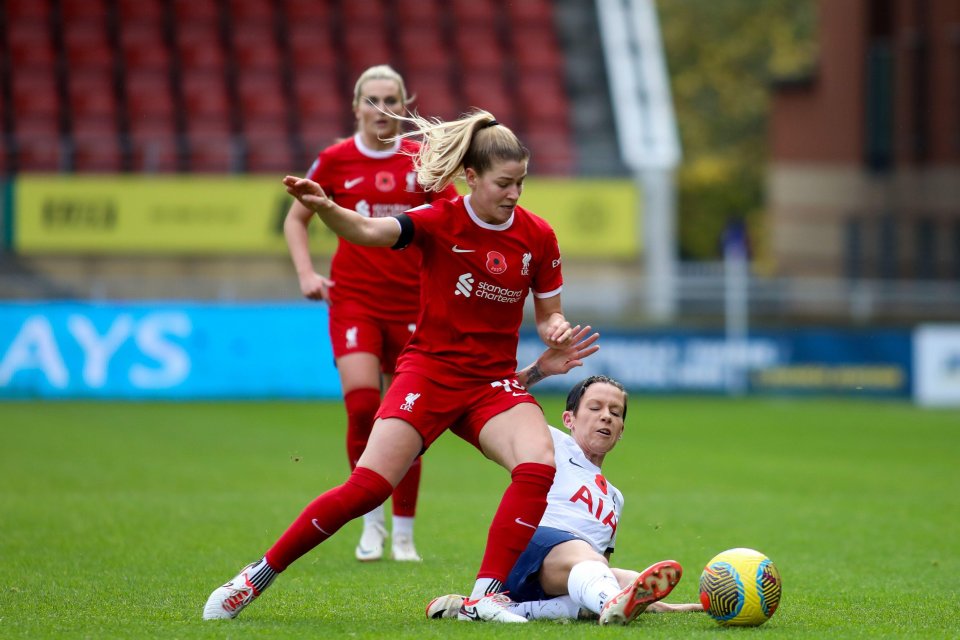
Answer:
(321, 172)
(548, 279)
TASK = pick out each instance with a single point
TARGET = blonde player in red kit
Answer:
(374, 295)
(482, 255)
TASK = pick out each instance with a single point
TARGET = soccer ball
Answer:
(740, 587)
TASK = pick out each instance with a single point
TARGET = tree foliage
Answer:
(722, 57)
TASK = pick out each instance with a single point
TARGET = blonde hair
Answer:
(473, 141)
(380, 72)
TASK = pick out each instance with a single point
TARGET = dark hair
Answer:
(576, 393)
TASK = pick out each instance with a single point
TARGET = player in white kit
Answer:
(565, 572)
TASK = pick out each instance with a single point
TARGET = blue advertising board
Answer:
(165, 350)
(180, 350)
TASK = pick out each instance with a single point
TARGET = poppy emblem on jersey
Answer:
(496, 263)
(602, 483)
(385, 181)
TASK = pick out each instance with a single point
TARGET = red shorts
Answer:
(356, 333)
(433, 408)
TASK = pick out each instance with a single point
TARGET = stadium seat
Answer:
(93, 103)
(141, 12)
(196, 12)
(149, 100)
(488, 92)
(533, 13)
(477, 13)
(320, 98)
(74, 12)
(317, 134)
(368, 12)
(243, 12)
(39, 152)
(307, 11)
(143, 48)
(36, 102)
(213, 153)
(435, 96)
(270, 154)
(478, 50)
(86, 46)
(535, 50)
(153, 152)
(311, 47)
(543, 97)
(263, 105)
(423, 49)
(205, 102)
(22, 11)
(552, 152)
(366, 45)
(30, 46)
(96, 152)
(199, 47)
(419, 13)
(255, 48)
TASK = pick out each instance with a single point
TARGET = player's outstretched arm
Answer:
(348, 224)
(555, 362)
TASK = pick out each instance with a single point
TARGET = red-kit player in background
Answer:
(482, 255)
(374, 294)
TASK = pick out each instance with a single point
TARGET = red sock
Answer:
(405, 495)
(524, 502)
(362, 406)
(363, 490)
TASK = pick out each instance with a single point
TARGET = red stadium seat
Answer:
(536, 50)
(73, 12)
(213, 153)
(435, 96)
(205, 102)
(255, 48)
(153, 152)
(87, 46)
(319, 97)
(270, 154)
(20, 11)
(263, 105)
(141, 12)
(93, 104)
(95, 152)
(423, 49)
(143, 47)
(31, 46)
(252, 12)
(421, 13)
(36, 101)
(478, 50)
(536, 13)
(200, 48)
(368, 12)
(41, 152)
(488, 92)
(318, 134)
(474, 12)
(307, 11)
(311, 48)
(149, 101)
(196, 12)
(544, 98)
(552, 153)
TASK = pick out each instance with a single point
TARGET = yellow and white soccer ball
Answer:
(740, 587)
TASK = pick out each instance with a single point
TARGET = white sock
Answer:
(374, 517)
(591, 584)
(484, 586)
(561, 608)
(403, 526)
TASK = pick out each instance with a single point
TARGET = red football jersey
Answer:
(382, 283)
(475, 279)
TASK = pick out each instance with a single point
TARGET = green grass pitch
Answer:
(118, 519)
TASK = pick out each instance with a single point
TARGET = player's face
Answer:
(495, 193)
(598, 422)
(372, 123)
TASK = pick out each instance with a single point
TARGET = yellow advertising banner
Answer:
(194, 215)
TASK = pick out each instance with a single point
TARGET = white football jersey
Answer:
(581, 500)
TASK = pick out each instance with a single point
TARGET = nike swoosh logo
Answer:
(350, 184)
(515, 394)
(574, 463)
(457, 249)
(317, 525)
(519, 521)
